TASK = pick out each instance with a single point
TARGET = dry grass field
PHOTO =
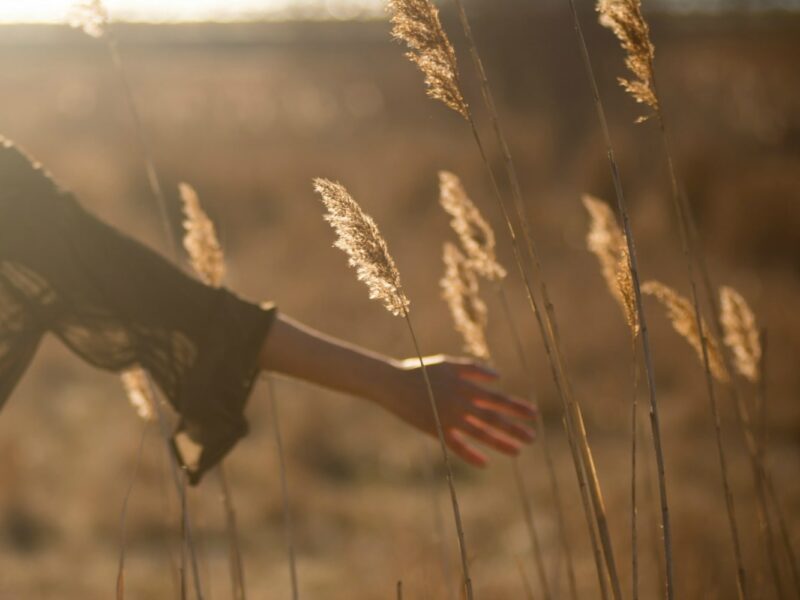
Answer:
(249, 114)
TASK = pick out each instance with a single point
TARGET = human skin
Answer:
(468, 408)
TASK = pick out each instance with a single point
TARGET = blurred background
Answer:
(248, 109)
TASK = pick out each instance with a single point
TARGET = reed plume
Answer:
(680, 311)
(208, 262)
(581, 451)
(474, 232)
(624, 18)
(740, 333)
(200, 239)
(358, 237)
(607, 242)
(90, 16)
(416, 22)
(139, 392)
(460, 287)
(461, 291)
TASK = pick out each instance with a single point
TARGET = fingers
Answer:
(466, 452)
(514, 407)
(489, 436)
(504, 424)
(476, 372)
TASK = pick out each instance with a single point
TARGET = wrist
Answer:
(387, 374)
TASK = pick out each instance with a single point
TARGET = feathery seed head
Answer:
(741, 333)
(624, 18)
(476, 235)
(461, 292)
(360, 239)
(200, 239)
(607, 242)
(627, 295)
(90, 16)
(681, 313)
(139, 392)
(416, 22)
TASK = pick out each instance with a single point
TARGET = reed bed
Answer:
(729, 344)
(416, 22)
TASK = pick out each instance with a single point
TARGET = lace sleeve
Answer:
(117, 304)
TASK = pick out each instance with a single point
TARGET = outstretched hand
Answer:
(469, 410)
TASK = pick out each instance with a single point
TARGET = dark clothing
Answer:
(118, 304)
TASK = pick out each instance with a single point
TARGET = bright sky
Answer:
(55, 11)
(50, 11)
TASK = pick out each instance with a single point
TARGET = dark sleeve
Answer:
(118, 304)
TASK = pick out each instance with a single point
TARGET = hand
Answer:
(468, 410)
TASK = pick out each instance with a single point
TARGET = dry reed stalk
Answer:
(92, 17)
(548, 326)
(120, 588)
(769, 494)
(555, 489)
(527, 512)
(208, 262)
(736, 323)
(287, 515)
(478, 241)
(635, 283)
(629, 19)
(358, 236)
(762, 450)
(581, 452)
(526, 585)
(685, 320)
(634, 504)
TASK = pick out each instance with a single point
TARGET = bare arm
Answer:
(466, 406)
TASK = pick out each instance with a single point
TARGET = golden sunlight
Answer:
(55, 11)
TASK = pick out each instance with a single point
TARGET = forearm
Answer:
(299, 351)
